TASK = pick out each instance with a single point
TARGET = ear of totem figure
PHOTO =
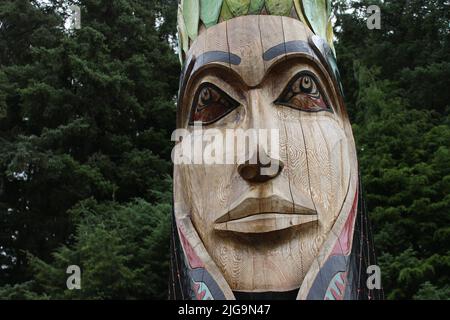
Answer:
(302, 232)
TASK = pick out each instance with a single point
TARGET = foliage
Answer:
(86, 116)
(397, 93)
(122, 250)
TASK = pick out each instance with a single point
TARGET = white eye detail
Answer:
(211, 104)
(303, 93)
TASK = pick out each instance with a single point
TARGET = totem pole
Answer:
(284, 221)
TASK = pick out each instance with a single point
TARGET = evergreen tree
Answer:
(83, 114)
(86, 117)
(397, 81)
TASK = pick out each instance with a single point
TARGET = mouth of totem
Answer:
(263, 215)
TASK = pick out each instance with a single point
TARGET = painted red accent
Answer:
(193, 259)
(343, 246)
(336, 287)
(198, 294)
(341, 285)
(336, 295)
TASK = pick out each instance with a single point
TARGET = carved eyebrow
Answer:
(287, 47)
(195, 63)
(217, 56)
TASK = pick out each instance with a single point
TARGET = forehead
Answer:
(250, 45)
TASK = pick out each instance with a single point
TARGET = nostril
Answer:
(249, 171)
(259, 173)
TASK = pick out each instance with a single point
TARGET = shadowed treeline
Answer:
(85, 123)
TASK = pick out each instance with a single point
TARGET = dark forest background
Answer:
(85, 123)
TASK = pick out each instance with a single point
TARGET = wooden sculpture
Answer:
(242, 233)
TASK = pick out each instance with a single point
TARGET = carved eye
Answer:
(211, 104)
(303, 93)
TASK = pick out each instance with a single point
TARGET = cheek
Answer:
(206, 192)
(293, 153)
(327, 149)
(317, 154)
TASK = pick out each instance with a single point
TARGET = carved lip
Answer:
(262, 215)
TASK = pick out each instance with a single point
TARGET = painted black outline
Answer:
(295, 46)
(319, 87)
(222, 93)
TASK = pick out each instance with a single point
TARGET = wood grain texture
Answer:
(294, 30)
(248, 47)
(263, 251)
(315, 14)
(271, 34)
(216, 39)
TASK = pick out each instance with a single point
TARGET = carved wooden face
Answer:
(265, 231)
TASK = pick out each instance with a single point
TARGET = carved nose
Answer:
(260, 168)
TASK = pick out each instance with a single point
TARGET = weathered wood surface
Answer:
(271, 252)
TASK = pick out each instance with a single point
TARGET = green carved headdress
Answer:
(193, 14)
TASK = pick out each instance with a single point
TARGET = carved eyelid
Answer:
(317, 84)
(233, 103)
